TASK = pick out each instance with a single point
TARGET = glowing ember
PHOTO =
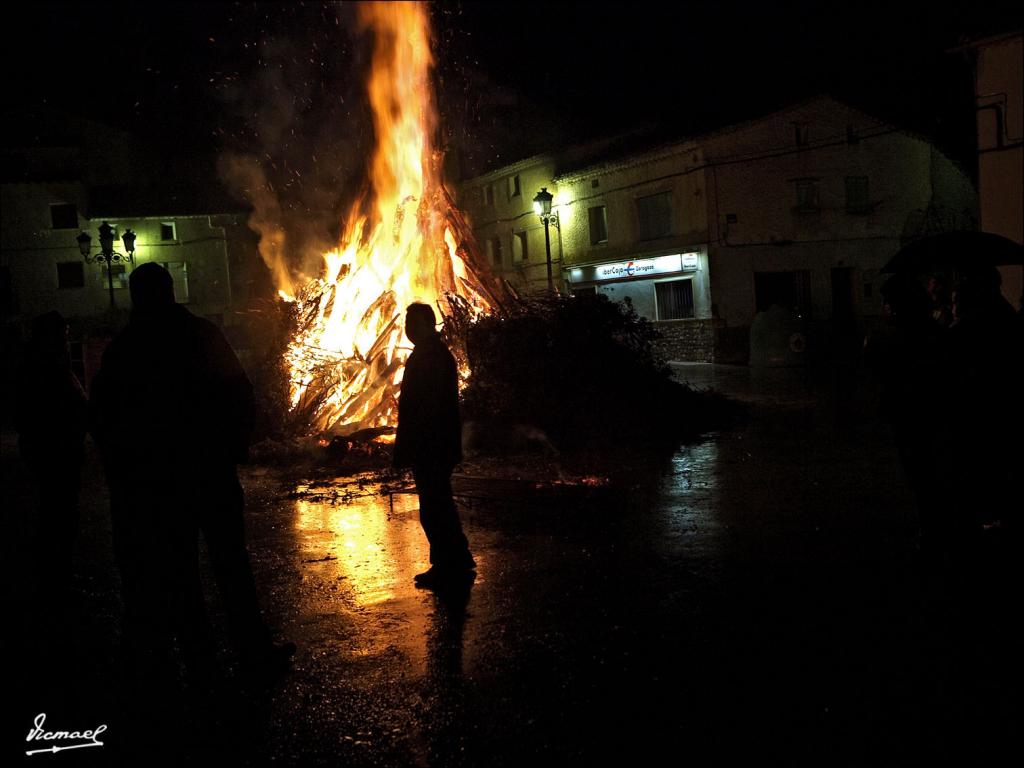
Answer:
(407, 243)
(592, 481)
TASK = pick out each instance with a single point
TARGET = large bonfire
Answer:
(402, 242)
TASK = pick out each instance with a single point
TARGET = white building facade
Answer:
(798, 209)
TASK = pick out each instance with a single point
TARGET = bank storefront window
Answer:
(668, 287)
(675, 299)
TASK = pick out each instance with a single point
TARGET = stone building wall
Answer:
(691, 341)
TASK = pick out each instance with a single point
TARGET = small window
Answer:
(520, 250)
(71, 274)
(119, 273)
(675, 299)
(806, 195)
(64, 216)
(598, 225)
(493, 246)
(801, 134)
(489, 195)
(513, 186)
(655, 214)
(857, 195)
(168, 232)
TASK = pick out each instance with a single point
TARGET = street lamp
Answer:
(542, 207)
(107, 253)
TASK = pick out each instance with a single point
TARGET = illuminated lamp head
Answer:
(420, 322)
(152, 288)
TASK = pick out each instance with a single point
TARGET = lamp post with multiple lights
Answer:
(107, 254)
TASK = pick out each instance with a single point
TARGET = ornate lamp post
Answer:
(107, 253)
(542, 207)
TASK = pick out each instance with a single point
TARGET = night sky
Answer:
(285, 82)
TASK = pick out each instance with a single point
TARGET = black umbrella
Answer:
(955, 251)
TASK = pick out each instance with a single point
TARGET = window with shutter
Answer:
(655, 215)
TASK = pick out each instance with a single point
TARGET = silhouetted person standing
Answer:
(908, 358)
(173, 411)
(986, 376)
(51, 422)
(429, 440)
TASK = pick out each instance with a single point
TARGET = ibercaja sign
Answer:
(624, 270)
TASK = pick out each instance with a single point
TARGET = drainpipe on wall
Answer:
(561, 261)
(227, 261)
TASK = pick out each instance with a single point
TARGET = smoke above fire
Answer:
(298, 133)
(267, 220)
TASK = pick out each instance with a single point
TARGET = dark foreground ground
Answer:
(753, 599)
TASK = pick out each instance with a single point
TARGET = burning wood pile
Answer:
(404, 242)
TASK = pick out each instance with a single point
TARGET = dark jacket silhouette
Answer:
(171, 385)
(429, 440)
(909, 359)
(172, 413)
(986, 377)
(429, 431)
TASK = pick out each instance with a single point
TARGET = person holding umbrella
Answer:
(985, 373)
(970, 384)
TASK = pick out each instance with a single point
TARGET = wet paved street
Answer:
(755, 597)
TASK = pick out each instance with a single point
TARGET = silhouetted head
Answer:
(50, 334)
(420, 322)
(978, 295)
(906, 299)
(152, 288)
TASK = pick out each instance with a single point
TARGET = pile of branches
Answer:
(584, 370)
(328, 370)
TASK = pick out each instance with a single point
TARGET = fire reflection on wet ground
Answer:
(359, 546)
(368, 538)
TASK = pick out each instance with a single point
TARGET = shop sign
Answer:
(625, 270)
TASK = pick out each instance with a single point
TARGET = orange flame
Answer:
(347, 357)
